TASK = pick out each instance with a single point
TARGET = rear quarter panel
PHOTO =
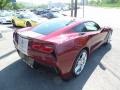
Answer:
(68, 51)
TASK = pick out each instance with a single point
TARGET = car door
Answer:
(91, 31)
(94, 33)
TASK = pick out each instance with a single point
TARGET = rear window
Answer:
(51, 26)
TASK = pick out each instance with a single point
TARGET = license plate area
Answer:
(28, 60)
(23, 45)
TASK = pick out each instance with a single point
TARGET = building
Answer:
(57, 6)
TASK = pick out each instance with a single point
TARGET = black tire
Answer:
(84, 51)
(13, 22)
(28, 24)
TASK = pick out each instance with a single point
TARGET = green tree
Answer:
(110, 1)
(4, 3)
(8, 6)
(18, 6)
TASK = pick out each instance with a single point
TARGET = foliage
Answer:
(110, 5)
(105, 3)
(110, 1)
(4, 3)
(18, 6)
(7, 4)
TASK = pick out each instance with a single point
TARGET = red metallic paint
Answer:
(67, 44)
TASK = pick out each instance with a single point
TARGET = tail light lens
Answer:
(42, 48)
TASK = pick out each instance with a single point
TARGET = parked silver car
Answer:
(5, 17)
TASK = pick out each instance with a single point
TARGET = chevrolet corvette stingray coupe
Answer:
(26, 20)
(62, 43)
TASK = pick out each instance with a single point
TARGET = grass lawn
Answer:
(111, 5)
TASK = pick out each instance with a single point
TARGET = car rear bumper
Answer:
(48, 62)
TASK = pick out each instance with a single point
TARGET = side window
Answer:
(80, 28)
(91, 26)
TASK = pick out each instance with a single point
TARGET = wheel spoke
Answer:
(80, 63)
(77, 69)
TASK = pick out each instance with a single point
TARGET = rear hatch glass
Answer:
(51, 26)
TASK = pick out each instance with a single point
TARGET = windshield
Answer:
(51, 26)
(27, 16)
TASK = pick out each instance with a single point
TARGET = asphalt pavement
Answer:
(102, 71)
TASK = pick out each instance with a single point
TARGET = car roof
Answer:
(72, 20)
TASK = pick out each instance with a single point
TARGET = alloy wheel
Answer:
(80, 62)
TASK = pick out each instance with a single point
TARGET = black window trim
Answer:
(95, 23)
(87, 30)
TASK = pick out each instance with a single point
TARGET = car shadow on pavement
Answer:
(19, 76)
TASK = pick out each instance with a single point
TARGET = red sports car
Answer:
(62, 43)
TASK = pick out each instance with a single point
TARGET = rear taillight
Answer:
(42, 48)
